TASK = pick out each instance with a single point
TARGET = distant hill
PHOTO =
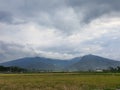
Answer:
(85, 63)
(40, 63)
(30, 63)
(92, 62)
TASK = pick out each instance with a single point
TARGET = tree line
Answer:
(16, 69)
(112, 69)
(12, 69)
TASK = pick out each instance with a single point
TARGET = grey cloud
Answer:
(11, 51)
(94, 8)
(109, 46)
(5, 17)
(8, 18)
(66, 17)
(27, 9)
(84, 2)
(2, 57)
(30, 8)
(40, 5)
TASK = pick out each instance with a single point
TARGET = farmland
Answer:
(60, 81)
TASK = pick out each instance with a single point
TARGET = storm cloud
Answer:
(59, 28)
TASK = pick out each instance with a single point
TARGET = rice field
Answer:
(60, 81)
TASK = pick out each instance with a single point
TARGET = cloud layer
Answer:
(59, 28)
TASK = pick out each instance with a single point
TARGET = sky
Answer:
(61, 29)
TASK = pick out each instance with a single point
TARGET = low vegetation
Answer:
(112, 69)
(60, 81)
(11, 69)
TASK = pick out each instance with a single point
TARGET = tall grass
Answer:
(60, 81)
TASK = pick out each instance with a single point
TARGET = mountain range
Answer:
(85, 63)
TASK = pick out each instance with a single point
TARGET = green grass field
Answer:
(60, 81)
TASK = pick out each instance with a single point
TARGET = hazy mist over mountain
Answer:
(59, 29)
